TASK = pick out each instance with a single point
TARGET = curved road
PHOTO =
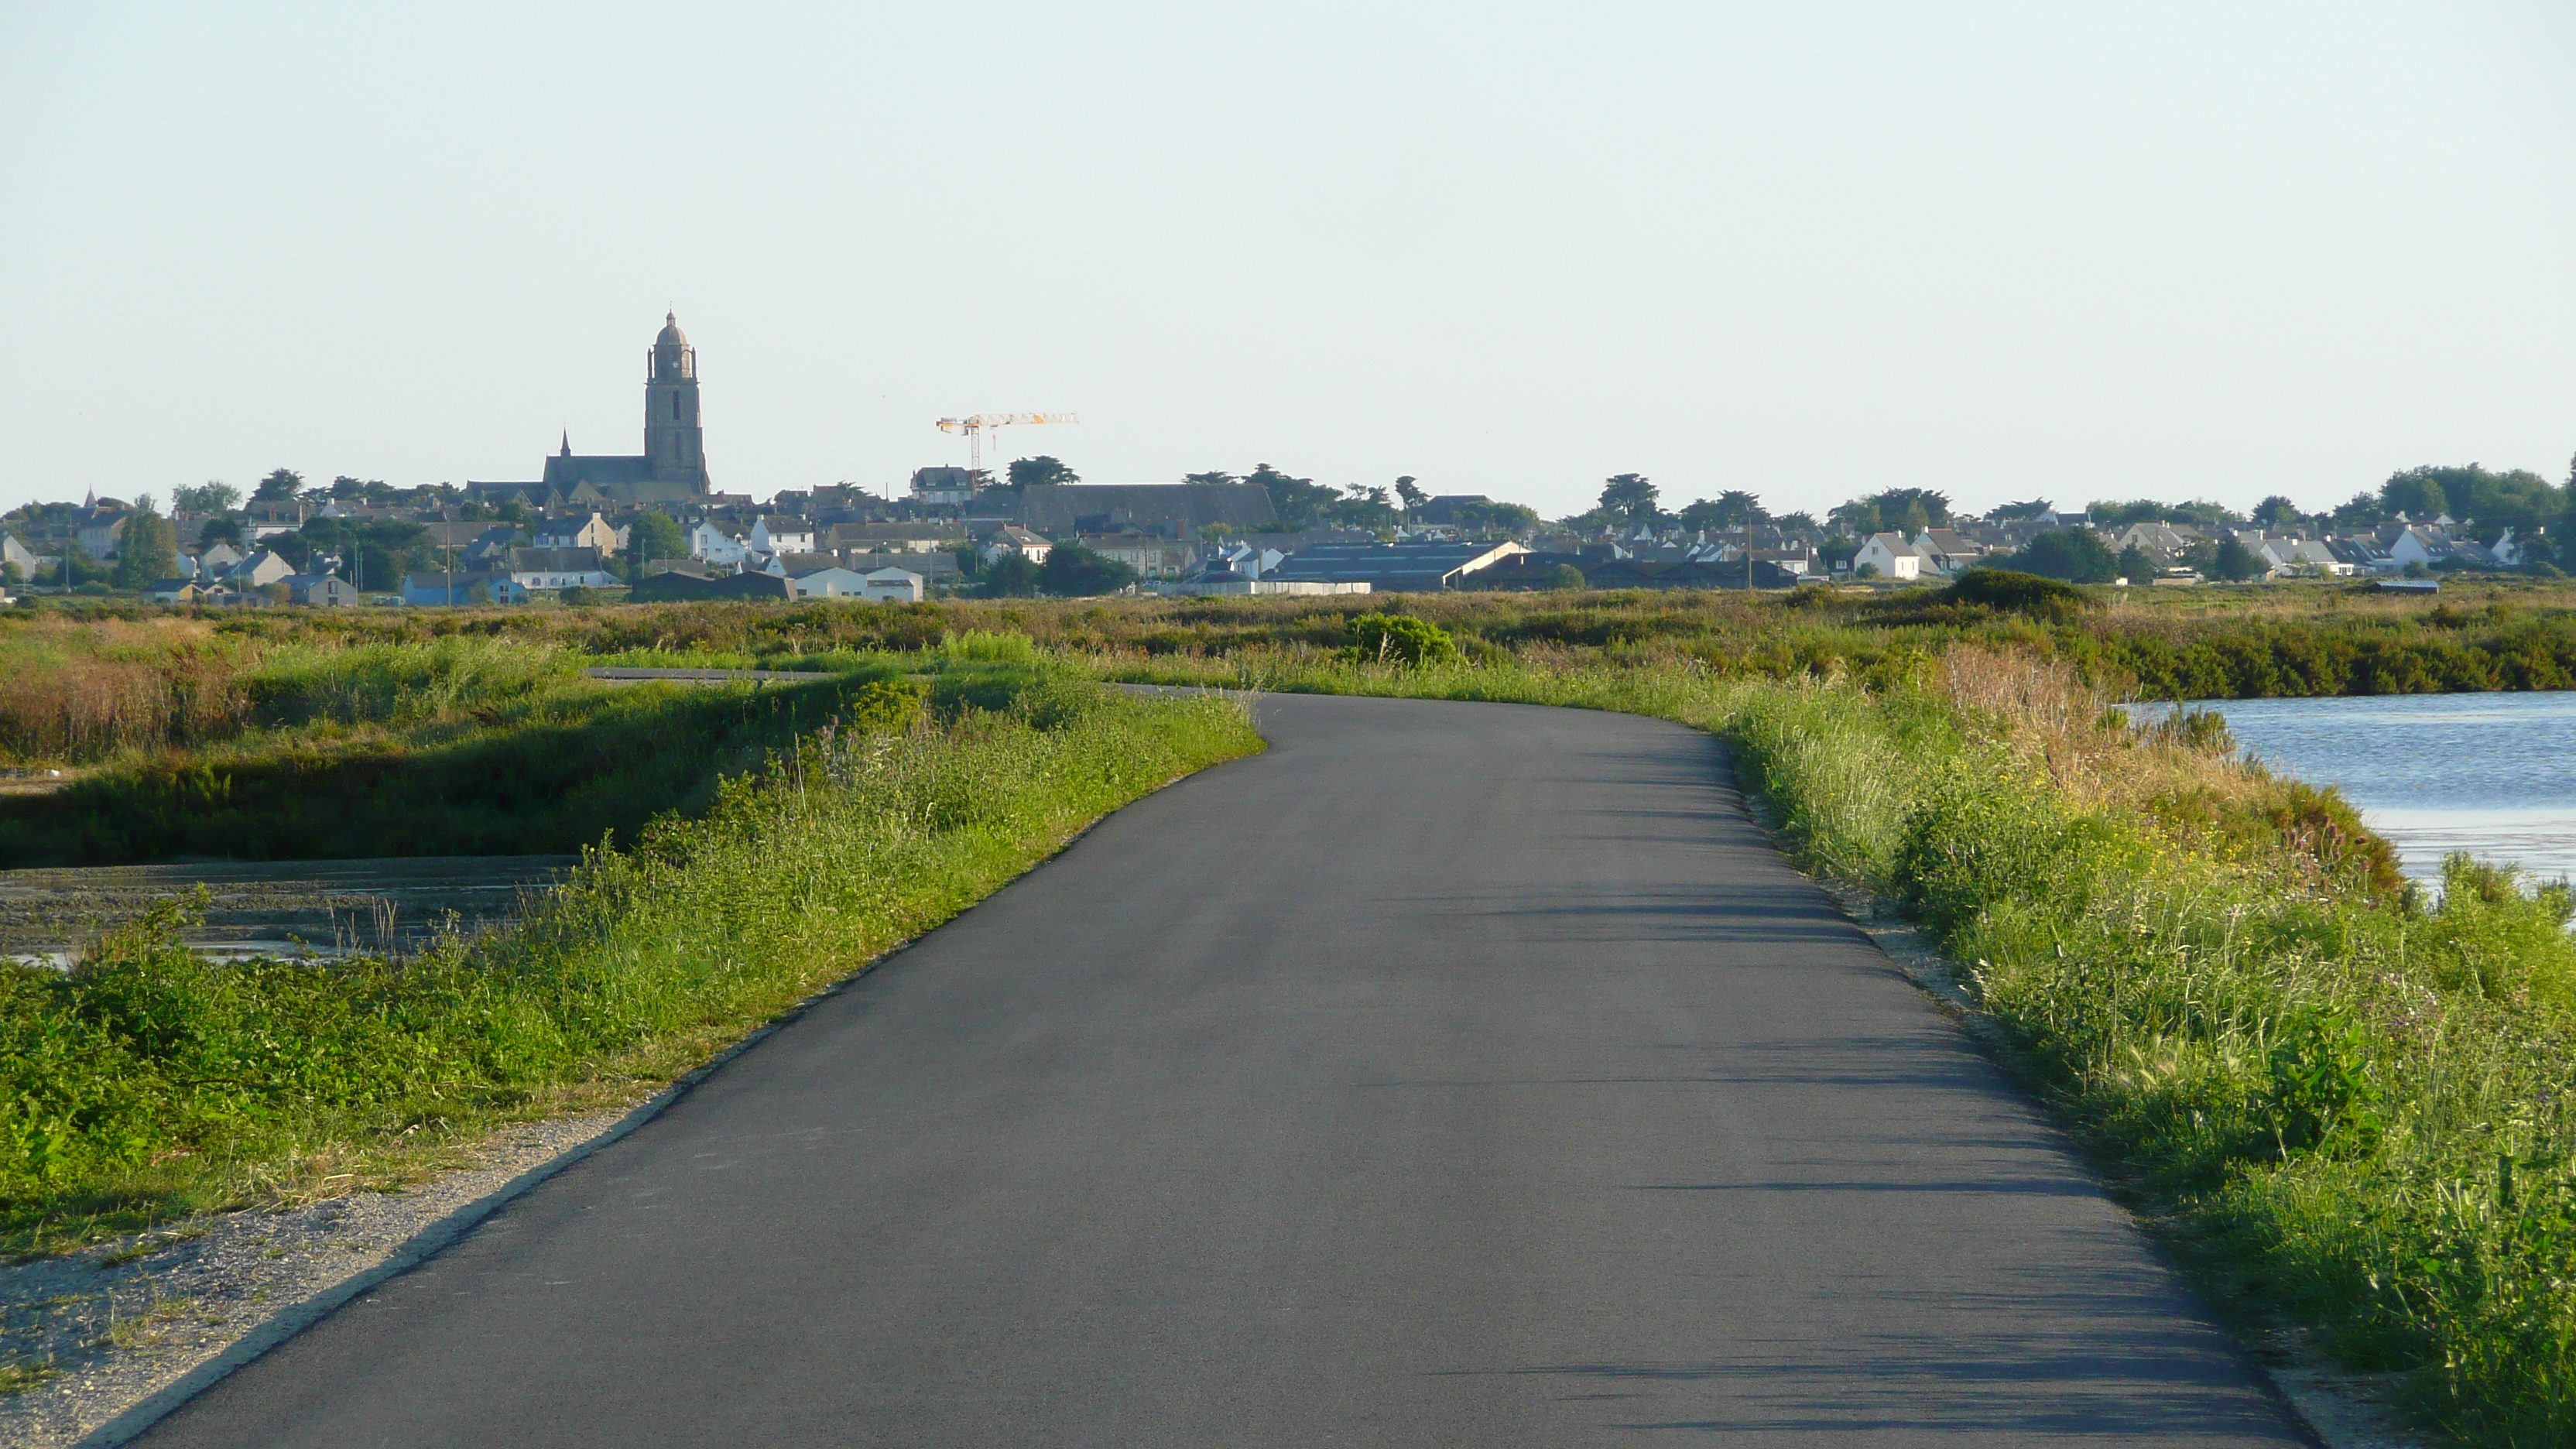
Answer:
(1452, 1075)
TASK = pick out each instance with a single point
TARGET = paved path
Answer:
(1452, 1075)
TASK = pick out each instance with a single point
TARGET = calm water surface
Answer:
(2491, 774)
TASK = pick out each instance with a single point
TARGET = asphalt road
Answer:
(1452, 1075)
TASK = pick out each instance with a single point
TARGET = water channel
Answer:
(2491, 774)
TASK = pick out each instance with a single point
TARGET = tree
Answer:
(1733, 508)
(1072, 571)
(1798, 525)
(1011, 576)
(1362, 506)
(1410, 495)
(2277, 512)
(2363, 511)
(219, 529)
(1490, 516)
(1297, 501)
(654, 535)
(1563, 576)
(2007, 512)
(147, 550)
(211, 496)
(283, 483)
(2137, 565)
(2235, 562)
(1040, 472)
(1629, 499)
(2077, 555)
(2417, 494)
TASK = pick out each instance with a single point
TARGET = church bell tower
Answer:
(673, 441)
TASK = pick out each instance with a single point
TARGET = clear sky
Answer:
(2055, 250)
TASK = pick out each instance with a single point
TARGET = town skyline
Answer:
(2196, 253)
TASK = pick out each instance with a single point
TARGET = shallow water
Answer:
(2491, 774)
(295, 908)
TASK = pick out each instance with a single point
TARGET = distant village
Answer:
(652, 526)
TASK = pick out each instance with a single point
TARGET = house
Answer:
(2418, 543)
(892, 586)
(481, 586)
(882, 585)
(1944, 551)
(558, 568)
(491, 544)
(893, 537)
(268, 517)
(178, 591)
(2310, 556)
(937, 570)
(1888, 556)
(945, 487)
(1010, 538)
(1394, 567)
(781, 535)
(708, 542)
(320, 590)
(217, 559)
(2160, 540)
(98, 528)
(260, 570)
(588, 531)
(14, 552)
(832, 582)
(1150, 555)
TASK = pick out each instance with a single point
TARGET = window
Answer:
(675, 406)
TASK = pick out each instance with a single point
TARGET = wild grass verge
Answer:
(148, 1083)
(2345, 1104)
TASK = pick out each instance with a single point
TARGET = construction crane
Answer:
(981, 423)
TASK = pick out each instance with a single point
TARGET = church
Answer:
(673, 466)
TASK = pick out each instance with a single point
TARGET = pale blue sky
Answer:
(2006, 250)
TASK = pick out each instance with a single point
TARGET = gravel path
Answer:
(107, 1336)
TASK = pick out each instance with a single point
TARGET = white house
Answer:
(829, 583)
(2419, 543)
(781, 535)
(1011, 538)
(14, 552)
(892, 586)
(558, 568)
(1890, 555)
(712, 544)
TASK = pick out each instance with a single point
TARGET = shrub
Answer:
(2013, 592)
(1400, 639)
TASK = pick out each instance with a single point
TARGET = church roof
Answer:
(671, 331)
(566, 471)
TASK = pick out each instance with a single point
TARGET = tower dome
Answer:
(671, 335)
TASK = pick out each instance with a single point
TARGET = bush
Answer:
(1400, 639)
(2011, 592)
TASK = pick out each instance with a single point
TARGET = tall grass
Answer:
(148, 1081)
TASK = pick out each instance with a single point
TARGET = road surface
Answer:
(1451, 1075)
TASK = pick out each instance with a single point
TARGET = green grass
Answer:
(148, 1083)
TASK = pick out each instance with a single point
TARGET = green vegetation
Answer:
(149, 1082)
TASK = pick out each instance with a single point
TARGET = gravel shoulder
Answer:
(114, 1335)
